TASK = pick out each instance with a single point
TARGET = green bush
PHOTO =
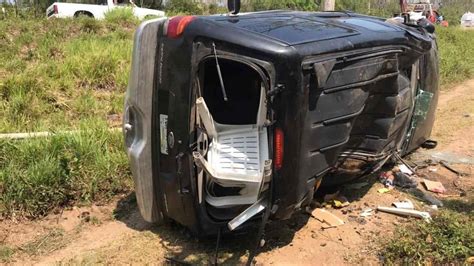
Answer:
(456, 54)
(39, 175)
(448, 239)
(184, 7)
(121, 16)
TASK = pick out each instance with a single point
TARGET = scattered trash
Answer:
(386, 178)
(403, 212)
(423, 196)
(340, 204)
(397, 178)
(366, 212)
(447, 166)
(383, 190)
(432, 169)
(404, 169)
(335, 200)
(404, 181)
(434, 207)
(406, 204)
(328, 218)
(356, 185)
(434, 186)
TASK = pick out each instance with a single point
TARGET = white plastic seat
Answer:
(236, 157)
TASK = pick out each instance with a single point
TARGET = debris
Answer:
(386, 178)
(434, 186)
(432, 169)
(447, 166)
(340, 204)
(423, 196)
(413, 213)
(366, 212)
(383, 190)
(405, 164)
(326, 217)
(356, 185)
(406, 204)
(404, 181)
(404, 169)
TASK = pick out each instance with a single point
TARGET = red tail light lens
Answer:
(278, 149)
(177, 25)
(55, 9)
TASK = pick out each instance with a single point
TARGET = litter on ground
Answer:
(330, 220)
(407, 213)
(366, 212)
(434, 186)
(406, 204)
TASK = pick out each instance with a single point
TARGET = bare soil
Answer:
(116, 233)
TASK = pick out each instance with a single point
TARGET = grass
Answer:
(42, 174)
(6, 253)
(448, 239)
(456, 51)
(55, 73)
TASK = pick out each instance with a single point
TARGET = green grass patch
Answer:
(6, 253)
(456, 53)
(39, 175)
(55, 73)
(121, 16)
(447, 239)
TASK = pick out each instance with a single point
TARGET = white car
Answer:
(67, 10)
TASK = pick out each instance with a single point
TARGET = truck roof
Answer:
(296, 27)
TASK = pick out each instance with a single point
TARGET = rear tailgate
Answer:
(137, 124)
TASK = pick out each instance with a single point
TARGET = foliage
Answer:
(184, 7)
(39, 175)
(55, 75)
(258, 5)
(121, 16)
(447, 239)
(456, 52)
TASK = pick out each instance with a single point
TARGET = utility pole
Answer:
(329, 5)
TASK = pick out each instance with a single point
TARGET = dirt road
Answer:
(116, 233)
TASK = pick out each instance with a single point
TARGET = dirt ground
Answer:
(116, 233)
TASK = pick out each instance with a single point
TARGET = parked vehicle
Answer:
(235, 118)
(67, 10)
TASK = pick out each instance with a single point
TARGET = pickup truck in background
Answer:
(67, 10)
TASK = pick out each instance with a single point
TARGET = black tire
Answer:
(429, 144)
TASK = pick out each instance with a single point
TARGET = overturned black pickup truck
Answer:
(234, 119)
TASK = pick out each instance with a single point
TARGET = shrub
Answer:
(39, 175)
(448, 239)
(121, 16)
(184, 7)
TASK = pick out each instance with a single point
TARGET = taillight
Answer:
(177, 25)
(278, 149)
(55, 8)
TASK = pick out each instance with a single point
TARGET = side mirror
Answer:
(233, 6)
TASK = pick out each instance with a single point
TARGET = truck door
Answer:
(138, 124)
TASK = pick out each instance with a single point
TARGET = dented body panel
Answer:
(347, 91)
